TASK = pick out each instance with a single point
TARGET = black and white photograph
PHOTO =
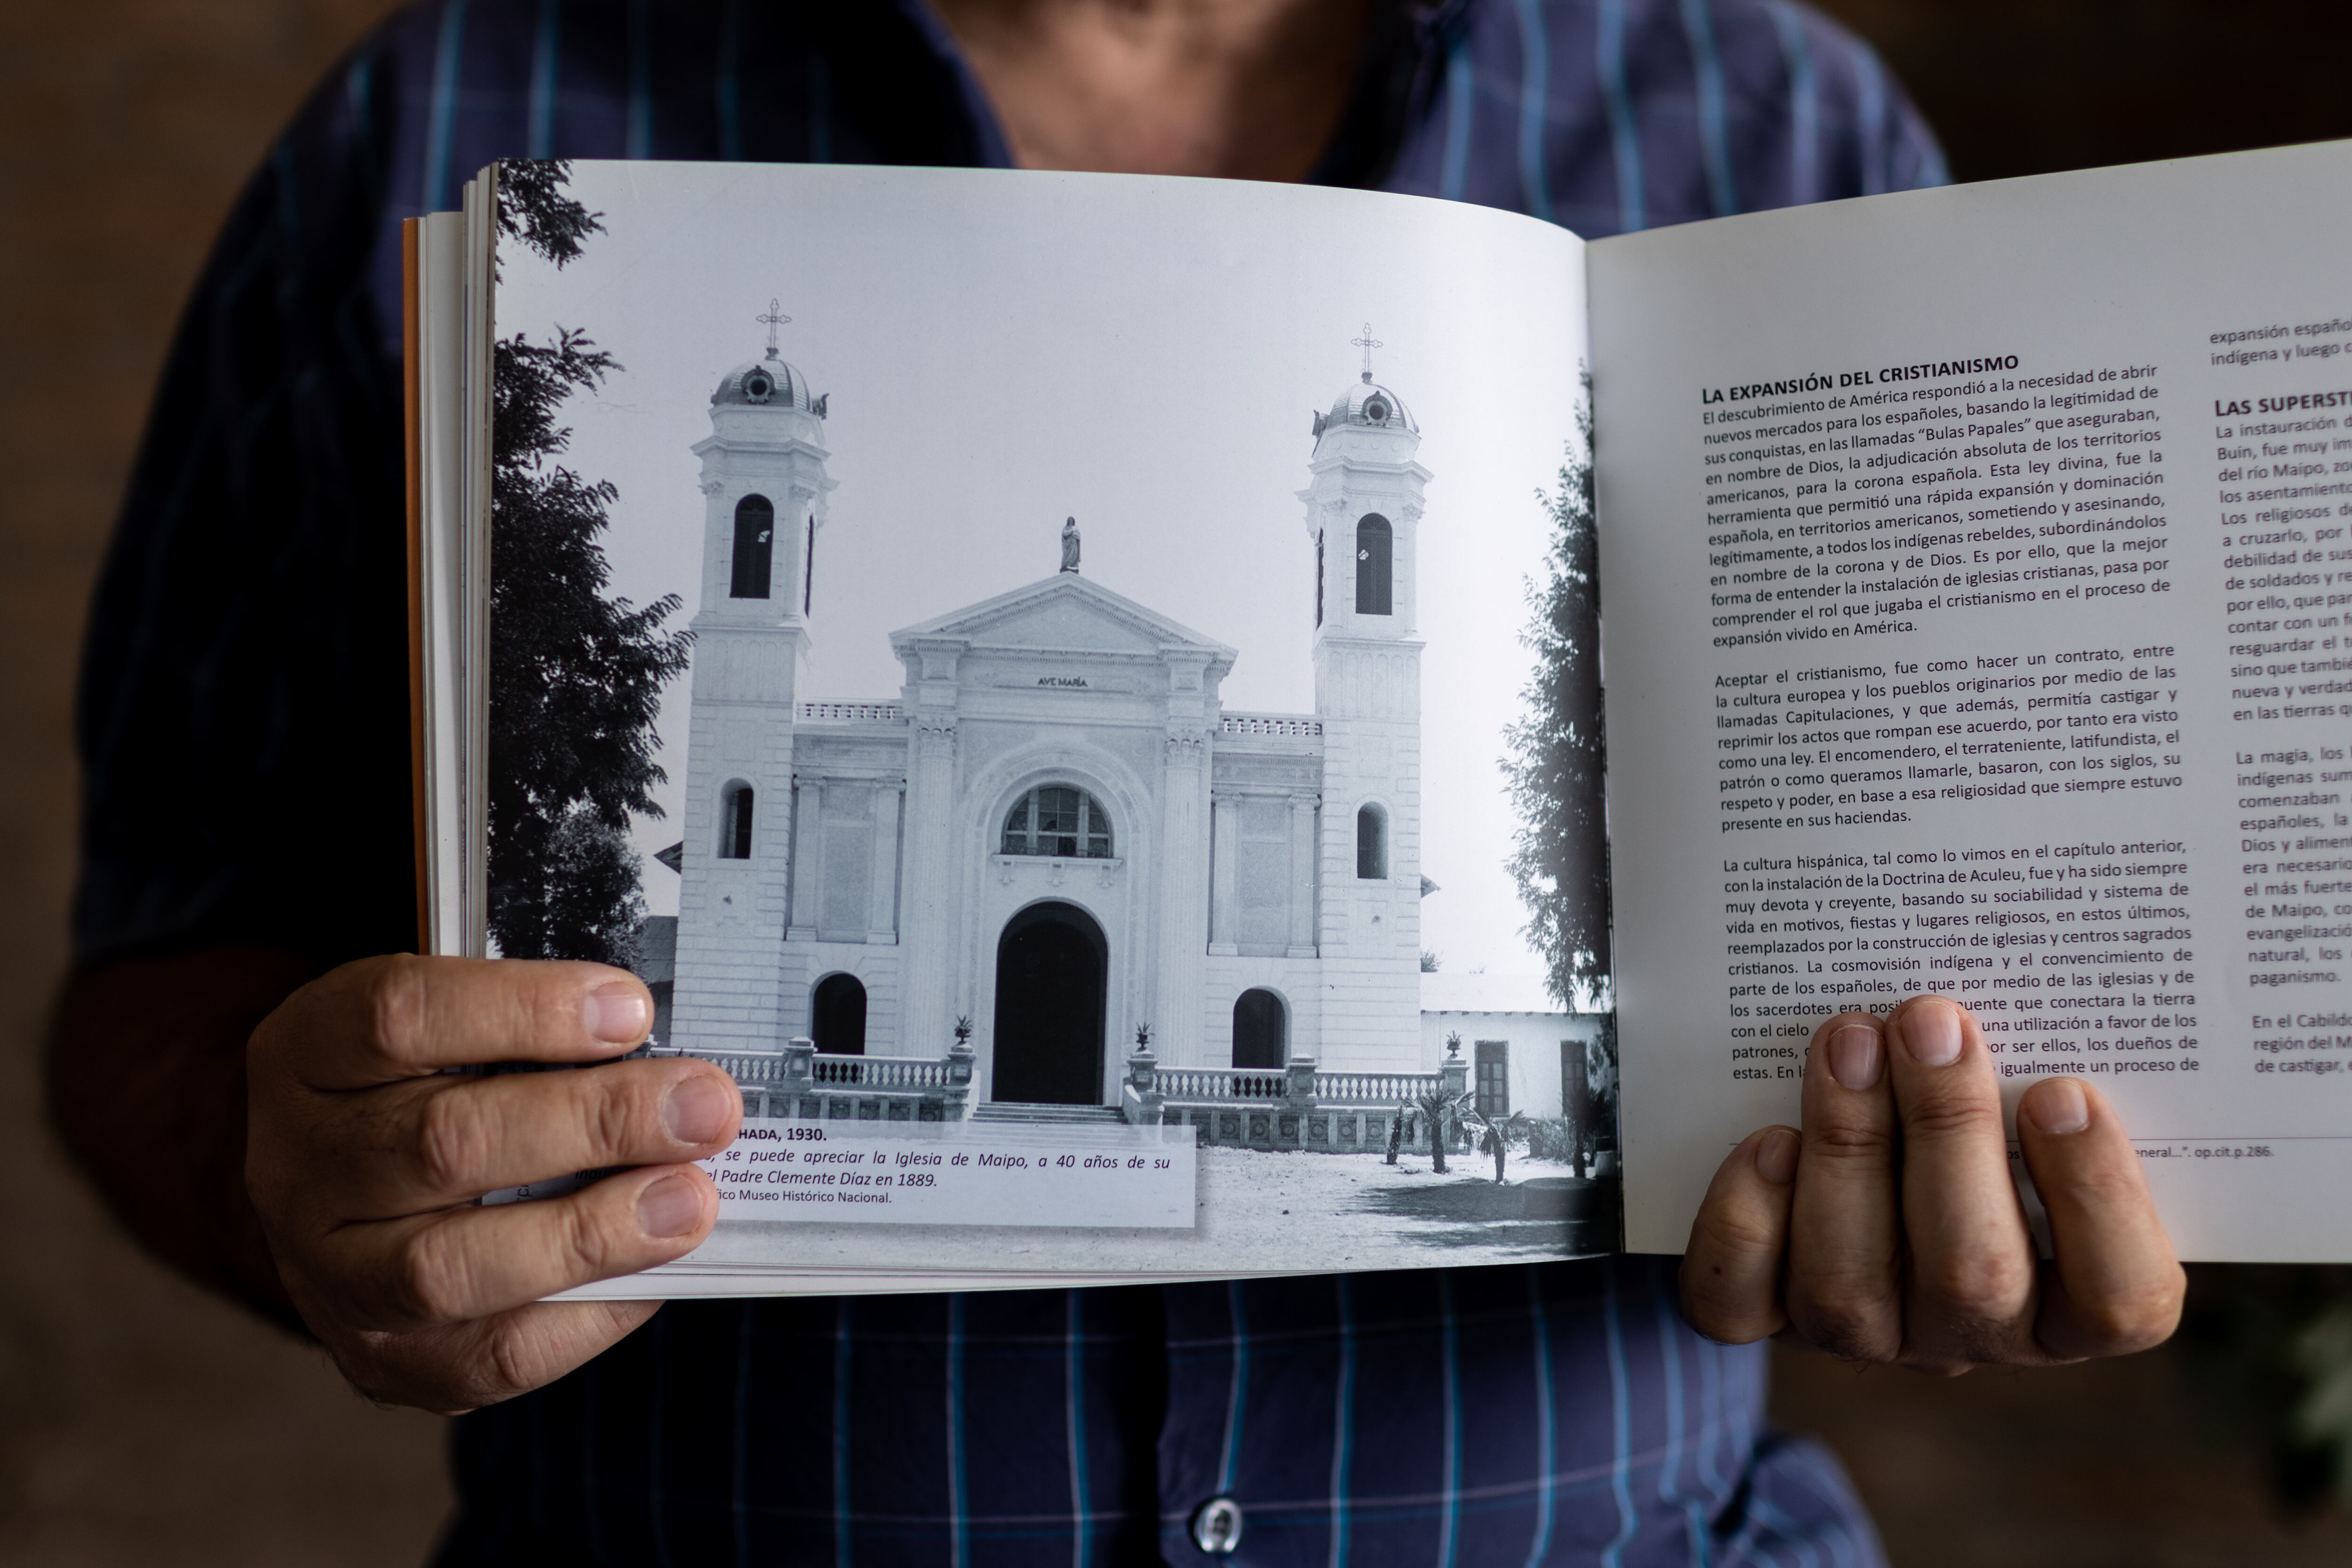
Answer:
(1064, 665)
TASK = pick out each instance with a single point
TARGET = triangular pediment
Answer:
(1064, 612)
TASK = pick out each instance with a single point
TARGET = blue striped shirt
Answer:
(1480, 1417)
(243, 728)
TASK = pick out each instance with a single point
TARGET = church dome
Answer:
(768, 383)
(1368, 403)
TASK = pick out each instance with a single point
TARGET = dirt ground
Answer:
(1257, 1211)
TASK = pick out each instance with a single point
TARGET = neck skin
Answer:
(1248, 90)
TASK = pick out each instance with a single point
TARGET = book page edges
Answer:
(412, 388)
(480, 231)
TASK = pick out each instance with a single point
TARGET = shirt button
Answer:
(1217, 1526)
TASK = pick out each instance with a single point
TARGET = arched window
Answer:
(837, 1021)
(755, 547)
(1261, 1030)
(735, 822)
(1372, 844)
(1054, 819)
(1375, 543)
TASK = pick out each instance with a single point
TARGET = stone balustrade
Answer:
(1182, 1084)
(854, 712)
(1279, 726)
(1294, 1107)
(1298, 1106)
(798, 1082)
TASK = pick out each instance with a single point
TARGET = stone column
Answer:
(1142, 1077)
(958, 1092)
(1183, 898)
(1225, 848)
(808, 861)
(882, 922)
(798, 1079)
(1302, 876)
(1298, 1092)
(926, 1003)
(1298, 1080)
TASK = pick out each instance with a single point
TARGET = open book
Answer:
(1104, 745)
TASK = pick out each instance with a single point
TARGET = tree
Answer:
(1577, 1093)
(577, 675)
(1602, 1078)
(534, 211)
(592, 903)
(1588, 1096)
(1556, 755)
(1494, 1136)
(1440, 1111)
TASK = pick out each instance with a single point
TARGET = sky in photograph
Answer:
(1005, 350)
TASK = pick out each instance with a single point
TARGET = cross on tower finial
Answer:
(1367, 343)
(775, 318)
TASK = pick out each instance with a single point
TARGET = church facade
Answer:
(1055, 838)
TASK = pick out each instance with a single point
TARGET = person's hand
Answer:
(364, 1158)
(1889, 1229)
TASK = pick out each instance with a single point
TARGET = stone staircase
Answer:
(1053, 1115)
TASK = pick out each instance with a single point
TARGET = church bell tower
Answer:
(764, 490)
(1363, 512)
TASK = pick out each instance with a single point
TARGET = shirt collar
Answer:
(1394, 78)
(993, 150)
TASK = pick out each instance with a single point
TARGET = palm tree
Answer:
(1440, 1111)
(1494, 1137)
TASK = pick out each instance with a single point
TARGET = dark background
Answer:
(142, 1423)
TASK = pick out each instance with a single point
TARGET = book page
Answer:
(1077, 627)
(1975, 568)
(441, 574)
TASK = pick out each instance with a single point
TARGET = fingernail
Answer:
(1931, 1032)
(697, 1110)
(670, 1206)
(1776, 1156)
(618, 1013)
(1856, 1057)
(2059, 1106)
